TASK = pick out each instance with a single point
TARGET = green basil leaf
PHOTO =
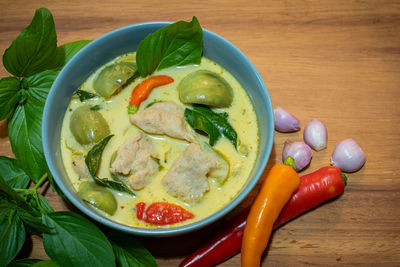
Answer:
(35, 48)
(12, 237)
(75, 241)
(35, 200)
(84, 95)
(93, 157)
(177, 44)
(67, 51)
(33, 224)
(9, 96)
(23, 263)
(96, 107)
(130, 252)
(8, 195)
(12, 173)
(116, 185)
(212, 123)
(48, 263)
(24, 128)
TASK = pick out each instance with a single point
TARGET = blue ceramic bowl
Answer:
(125, 40)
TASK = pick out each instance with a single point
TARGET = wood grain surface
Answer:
(338, 61)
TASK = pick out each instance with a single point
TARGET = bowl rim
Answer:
(155, 232)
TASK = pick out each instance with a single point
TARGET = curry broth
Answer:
(241, 116)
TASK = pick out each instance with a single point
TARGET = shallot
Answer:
(300, 152)
(348, 156)
(315, 135)
(285, 122)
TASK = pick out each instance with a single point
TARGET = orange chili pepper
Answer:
(143, 89)
(275, 191)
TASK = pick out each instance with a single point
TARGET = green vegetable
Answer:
(88, 126)
(113, 77)
(177, 44)
(206, 88)
(75, 241)
(12, 236)
(98, 196)
(130, 252)
(12, 173)
(214, 124)
(84, 95)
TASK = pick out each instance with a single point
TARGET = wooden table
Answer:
(338, 61)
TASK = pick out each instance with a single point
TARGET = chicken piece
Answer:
(79, 167)
(163, 118)
(136, 158)
(187, 178)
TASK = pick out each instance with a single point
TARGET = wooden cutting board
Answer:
(338, 61)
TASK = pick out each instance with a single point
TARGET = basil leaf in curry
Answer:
(177, 44)
(75, 241)
(84, 95)
(214, 124)
(92, 161)
(93, 157)
(24, 128)
(116, 185)
(12, 236)
(35, 48)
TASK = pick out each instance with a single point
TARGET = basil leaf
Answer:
(35, 200)
(33, 224)
(12, 173)
(84, 95)
(96, 107)
(23, 263)
(130, 252)
(214, 124)
(93, 157)
(7, 194)
(48, 263)
(67, 51)
(116, 185)
(75, 241)
(9, 96)
(177, 44)
(35, 48)
(12, 237)
(24, 128)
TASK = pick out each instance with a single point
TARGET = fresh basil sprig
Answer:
(177, 44)
(214, 124)
(33, 58)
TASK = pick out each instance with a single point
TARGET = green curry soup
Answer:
(166, 150)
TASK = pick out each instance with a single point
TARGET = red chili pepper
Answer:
(162, 213)
(314, 189)
(143, 89)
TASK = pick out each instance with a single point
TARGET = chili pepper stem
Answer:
(290, 162)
